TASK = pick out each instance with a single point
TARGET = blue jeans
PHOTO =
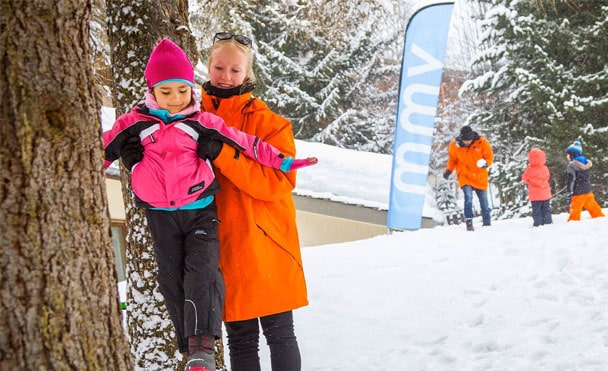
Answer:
(482, 196)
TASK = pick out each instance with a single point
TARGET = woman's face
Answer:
(228, 67)
(173, 96)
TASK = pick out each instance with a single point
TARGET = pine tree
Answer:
(332, 68)
(364, 114)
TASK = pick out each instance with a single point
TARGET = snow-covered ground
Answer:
(505, 297)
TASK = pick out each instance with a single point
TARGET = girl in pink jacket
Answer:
(168, 145)
(537, 176)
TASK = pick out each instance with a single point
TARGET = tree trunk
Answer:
(133, 36)
(58, 298)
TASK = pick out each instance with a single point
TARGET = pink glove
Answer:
(290, 164)
(300, 163)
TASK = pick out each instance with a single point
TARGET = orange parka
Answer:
(464, 159)
(537, 176)
(260, 255)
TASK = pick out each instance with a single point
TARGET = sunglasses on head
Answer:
(243, 40)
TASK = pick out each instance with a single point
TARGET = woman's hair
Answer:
(250, 78)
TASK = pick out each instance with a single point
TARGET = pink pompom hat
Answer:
(168, 63)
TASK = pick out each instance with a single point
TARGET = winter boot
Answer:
(469, 225)
(201, 356)
(201, 361)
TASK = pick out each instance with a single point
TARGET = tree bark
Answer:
(58, 298)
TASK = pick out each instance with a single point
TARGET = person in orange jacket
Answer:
(471, 155)
(578, 184)
(260, 255)
(537, 176)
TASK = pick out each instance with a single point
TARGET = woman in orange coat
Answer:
(471, 156)
(259, 245)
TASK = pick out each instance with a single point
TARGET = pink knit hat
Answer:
(168, 63)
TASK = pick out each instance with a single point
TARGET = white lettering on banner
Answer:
(432, 63)
(411, 108)
(404, 166)
(420, 145)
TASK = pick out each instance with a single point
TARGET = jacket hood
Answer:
(537, 157)
(582, 162)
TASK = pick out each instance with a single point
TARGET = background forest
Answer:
(522, 73)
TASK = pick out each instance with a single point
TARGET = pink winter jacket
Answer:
(537, 176)
(171, 175)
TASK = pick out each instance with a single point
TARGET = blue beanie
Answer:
(575, 148)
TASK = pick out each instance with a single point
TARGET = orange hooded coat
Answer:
(260, 255)
(537, 176)
(464, 161)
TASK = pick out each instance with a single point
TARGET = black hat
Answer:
(466, 133)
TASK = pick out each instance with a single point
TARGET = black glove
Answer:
(208, 148)
(446, 174)
(569, 198)
(132, 151)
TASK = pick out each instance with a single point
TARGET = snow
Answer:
(343, 175)
(504, 297)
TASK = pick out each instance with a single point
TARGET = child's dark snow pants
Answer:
(186, 246)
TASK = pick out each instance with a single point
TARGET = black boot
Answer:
(469, 224)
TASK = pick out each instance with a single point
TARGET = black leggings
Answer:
(244, 337)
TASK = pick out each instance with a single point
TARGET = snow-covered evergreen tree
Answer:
(544, 83)
(331, 67)
(366, 81)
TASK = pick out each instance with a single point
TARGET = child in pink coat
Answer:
(168, 144)
(537, 176)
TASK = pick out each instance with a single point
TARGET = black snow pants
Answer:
(186, 246)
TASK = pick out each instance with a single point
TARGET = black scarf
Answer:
(227, 93)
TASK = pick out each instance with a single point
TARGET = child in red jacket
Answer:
(537, 176)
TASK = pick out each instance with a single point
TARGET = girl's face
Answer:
(173, 96)
(227, 67)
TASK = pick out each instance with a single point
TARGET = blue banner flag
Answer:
(421, 69)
